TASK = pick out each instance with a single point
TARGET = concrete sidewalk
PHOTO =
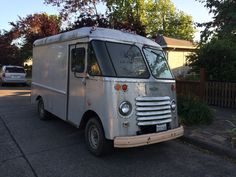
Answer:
(215, 137)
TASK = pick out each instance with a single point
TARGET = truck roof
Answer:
(96, 33)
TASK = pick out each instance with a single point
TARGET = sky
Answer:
(10, 10)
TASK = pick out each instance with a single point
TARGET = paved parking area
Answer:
(33, 148)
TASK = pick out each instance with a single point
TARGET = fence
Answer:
(221, 94)
(188, 88)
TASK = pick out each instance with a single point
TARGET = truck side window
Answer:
(93, 67)
(78, 60)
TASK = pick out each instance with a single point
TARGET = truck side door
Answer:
(76, 85)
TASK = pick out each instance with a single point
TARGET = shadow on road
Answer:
(14, 91)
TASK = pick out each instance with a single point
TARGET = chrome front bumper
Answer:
(141, 140)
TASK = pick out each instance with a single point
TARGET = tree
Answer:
(33, 27)
(182, 26)
(224, 20)
(90, 20)
(163, 18)
(128, 15)
(217, 49)
(9, 53)
(69, 7)
(152, 17)
(218, 57)
(149, 17)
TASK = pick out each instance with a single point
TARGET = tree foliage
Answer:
(151, 17)
(16, 45)
(218, 57)
(9, 53)
(163, 18)
(36, 26)
(224, 19)
(68, 7)
(127, 14)
(217, 49)
(90, 20)
(33, 27)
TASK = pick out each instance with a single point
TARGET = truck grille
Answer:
(153, 110)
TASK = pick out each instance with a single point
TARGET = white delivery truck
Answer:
(115, 85)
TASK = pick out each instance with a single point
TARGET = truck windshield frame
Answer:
(157, 63)
(125, 59)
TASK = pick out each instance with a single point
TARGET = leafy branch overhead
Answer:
(145, 17)
(224, 19)
(163, 18)
(217, 49)
(68, 7)
(23, 33)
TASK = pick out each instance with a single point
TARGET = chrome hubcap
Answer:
(93, 137)
(41, 109)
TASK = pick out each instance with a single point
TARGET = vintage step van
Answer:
(115, 85)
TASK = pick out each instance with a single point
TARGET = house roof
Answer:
(167, 42)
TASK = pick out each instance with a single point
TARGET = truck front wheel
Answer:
(95, 139)
(41, 111)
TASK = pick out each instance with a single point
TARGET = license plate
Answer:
(15, 77)
(161, 127)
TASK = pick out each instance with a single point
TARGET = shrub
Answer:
(193, 111)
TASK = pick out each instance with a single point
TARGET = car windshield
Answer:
(127, 60)
(14, 70)
(157, 63)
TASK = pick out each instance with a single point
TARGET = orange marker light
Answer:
(124, 87)
(117, 87)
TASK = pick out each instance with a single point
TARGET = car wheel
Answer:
(41, 111)
(95, 139)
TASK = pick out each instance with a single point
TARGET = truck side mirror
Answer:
(78, 69)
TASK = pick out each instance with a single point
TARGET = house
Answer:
(176, 51)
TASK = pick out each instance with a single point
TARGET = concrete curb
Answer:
(217, 149)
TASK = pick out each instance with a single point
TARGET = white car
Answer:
(12, 74)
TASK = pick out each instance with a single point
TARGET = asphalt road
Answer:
(33, 148)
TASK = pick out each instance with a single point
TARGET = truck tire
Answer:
(95, 139)
(41, 111)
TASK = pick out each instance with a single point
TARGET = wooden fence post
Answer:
(202, 83)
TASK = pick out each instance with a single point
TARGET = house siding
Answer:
(177, 59)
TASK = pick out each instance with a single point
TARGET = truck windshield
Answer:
(157, 63)
(127, 60)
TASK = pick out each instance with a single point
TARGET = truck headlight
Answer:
(173, 105)
(125, 108)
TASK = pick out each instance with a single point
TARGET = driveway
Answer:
(33, 148)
